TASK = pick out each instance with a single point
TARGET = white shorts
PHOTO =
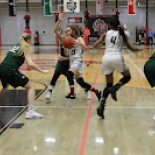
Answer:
(77, 65)
(110, 63)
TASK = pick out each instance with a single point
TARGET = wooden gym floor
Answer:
(73, 127)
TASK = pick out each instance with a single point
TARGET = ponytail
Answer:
(121, 32)
(24, 46)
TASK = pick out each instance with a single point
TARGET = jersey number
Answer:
(73, 52)
(14, 49)
(113, 39)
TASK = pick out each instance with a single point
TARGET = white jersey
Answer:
(113, 42)
(112, 59)
(76, 53)
(76, 58)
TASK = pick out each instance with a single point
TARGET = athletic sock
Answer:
(72, 90)
(94, 90)
(50, 88)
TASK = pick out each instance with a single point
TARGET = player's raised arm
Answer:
(56, 27)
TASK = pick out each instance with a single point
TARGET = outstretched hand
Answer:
(141, 48)
(61, 15)
(46, 71)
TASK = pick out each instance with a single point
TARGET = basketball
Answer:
(68, 42)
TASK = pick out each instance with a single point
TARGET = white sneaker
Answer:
(48, 95)
(88, 95)
(33, 114)
(153, 117)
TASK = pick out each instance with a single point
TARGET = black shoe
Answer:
(70, 96)
(98, 95)
(113, 90)
(100, 109)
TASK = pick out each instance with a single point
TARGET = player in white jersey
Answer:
(75, 58)
(113, 60)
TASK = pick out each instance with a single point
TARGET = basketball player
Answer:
(149, 71)
(113, 60)
(61, 69)
(75, 58)
(10, 75)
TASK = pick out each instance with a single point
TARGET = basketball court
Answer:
(72, 127)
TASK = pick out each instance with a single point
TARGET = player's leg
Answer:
(105, 94)
(118, 64)
(3, 77)
(107, 71)
(70, 77)
(126, 78)
(52, 84)
(87, 87)
(19, 79)
(3, 90)
(31, 113)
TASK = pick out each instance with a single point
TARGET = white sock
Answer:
(50, 87)
(30, 107)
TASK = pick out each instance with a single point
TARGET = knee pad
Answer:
(125, 79)
(70, 77)
(109, 84)
(83, 84)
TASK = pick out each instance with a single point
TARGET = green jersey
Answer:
(153, 55)
(13, 59)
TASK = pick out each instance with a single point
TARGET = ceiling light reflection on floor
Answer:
(116, 150)
(50, 139)
(99, 140)
(35, 148)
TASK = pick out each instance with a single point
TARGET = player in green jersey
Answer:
(149, 71)
(10, 74)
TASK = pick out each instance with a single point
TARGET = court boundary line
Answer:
(135, 66)
(86, 126)
(19, 113)
(107, 107)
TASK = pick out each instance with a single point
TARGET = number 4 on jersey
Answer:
(113, 39)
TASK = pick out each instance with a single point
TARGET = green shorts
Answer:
(62, 66)
(14, 77)
(149, 71)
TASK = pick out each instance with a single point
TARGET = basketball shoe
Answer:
(33, 114)
(100, 109)
(48, 95)
(112, 91)
(70, 96)
(88, 95)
